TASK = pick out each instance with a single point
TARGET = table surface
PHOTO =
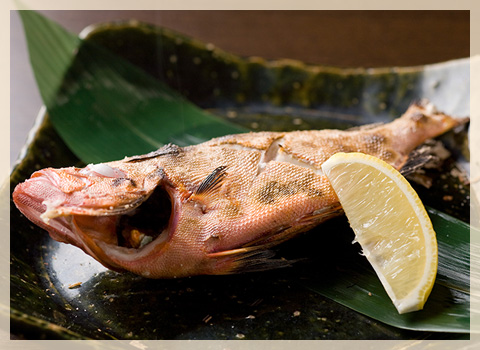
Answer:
(333, 38)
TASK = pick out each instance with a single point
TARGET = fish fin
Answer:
(243, 260)
(228, 253)
(262, 260)
(169, 149)
(256, 255)
(212, 181)
(366, 127)
(429, 155)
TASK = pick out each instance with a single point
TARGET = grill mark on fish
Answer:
(118, 181)
(273, 191)
(157, 173)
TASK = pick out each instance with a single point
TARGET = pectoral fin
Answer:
(212, 181)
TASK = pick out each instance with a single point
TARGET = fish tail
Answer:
(422, 121)
(418, 124)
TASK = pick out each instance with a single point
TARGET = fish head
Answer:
(121, 213)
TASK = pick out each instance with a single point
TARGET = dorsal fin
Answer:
(365, 127)
(211, 181)
(169, 149)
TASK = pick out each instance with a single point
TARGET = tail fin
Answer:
(419, 123)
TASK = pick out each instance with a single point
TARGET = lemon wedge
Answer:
(390, 223)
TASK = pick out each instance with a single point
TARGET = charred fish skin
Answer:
(213, 208)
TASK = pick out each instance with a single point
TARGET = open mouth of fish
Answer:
(102, 230)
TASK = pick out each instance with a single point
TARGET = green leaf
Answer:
(448, 306)
(48, 67)
(104, 107)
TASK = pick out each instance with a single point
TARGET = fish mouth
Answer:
(114, 236)
(147, 222)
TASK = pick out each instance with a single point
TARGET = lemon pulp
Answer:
(390, 223)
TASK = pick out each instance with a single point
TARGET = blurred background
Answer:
(332, 38)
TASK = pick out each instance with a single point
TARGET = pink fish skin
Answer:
(212, 208)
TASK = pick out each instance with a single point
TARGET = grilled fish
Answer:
(213, 208)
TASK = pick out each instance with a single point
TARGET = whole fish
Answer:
(214, 208)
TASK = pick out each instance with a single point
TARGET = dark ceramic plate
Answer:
(57, 292)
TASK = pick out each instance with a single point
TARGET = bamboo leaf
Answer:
(104, 107)
(48, 67)
(448, 306)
